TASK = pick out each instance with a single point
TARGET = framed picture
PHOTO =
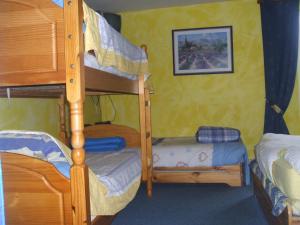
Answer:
(202, 51)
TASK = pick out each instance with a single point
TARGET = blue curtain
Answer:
(280, 26)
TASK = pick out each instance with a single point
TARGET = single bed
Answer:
(276, 175)
(42, 55)
(183, 160)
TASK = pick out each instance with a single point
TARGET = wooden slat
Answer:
(33, 92)
(231, 175)
(102, 81)
(228, 168)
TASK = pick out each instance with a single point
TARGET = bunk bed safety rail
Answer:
(110, 47)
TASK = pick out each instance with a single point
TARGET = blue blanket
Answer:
(39, 145)
(104, 144)
(232, 153)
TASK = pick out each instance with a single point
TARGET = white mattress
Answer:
(117, 170)
(182, 152)
(91, 61)
(272, 146)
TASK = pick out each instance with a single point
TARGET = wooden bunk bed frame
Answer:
(42, 48)
(285, 218)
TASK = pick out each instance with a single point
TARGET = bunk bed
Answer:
(42, 55)
(275, 172)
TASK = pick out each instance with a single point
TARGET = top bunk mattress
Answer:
(113, 53)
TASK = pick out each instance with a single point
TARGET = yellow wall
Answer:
(181, 104)
(37, 114)
(29, 114)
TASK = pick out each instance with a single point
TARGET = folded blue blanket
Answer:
(106, 140)
(104, 144)
(104, 148)
(207, 134)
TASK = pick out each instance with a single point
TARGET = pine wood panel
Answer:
(231, 175)
(35, 192)
(286, 218)
(32, 43)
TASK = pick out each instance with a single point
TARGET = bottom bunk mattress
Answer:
(114, 177)
(187, 152)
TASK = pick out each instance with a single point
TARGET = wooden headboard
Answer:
(132, 136)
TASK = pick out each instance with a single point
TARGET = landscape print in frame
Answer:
(202, 51)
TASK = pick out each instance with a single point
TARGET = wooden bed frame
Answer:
(42, 48)
(285, 218)
(231, 175)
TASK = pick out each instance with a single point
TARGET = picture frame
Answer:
(202, 51)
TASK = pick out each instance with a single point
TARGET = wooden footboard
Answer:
(285, 218)
(34, 192)
(231, 175)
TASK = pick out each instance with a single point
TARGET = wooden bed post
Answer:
(148, 142)
(62, 119)
(142, 106)
(75, 86)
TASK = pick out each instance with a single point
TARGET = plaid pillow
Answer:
(207, 134)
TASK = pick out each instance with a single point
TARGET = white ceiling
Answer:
(134, 5)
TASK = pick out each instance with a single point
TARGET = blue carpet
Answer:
(193, 204)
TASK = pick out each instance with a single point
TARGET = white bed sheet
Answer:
(269, 148)
(118, 170)
(182, 152)
(91, 61)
